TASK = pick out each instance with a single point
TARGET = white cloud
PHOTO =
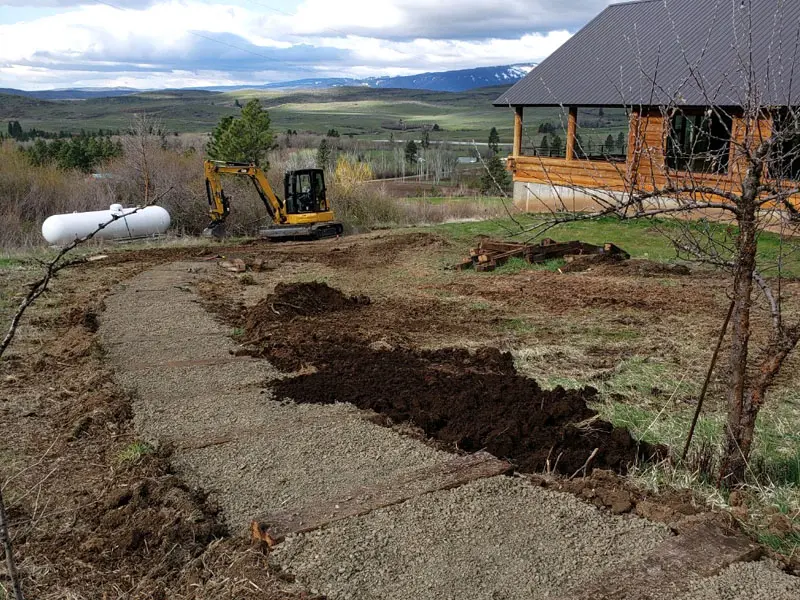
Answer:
(405, 19)
(191, 42)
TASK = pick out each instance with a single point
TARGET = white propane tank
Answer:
(63, 229)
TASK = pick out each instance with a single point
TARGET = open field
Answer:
(366, 113)
(154, 373)
(464, 115)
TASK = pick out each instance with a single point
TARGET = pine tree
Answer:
(545, 147)
(426, 140)
(610, 144)
(555, 142)
(495, 178)
(494, 140)
(621, 142)
(411, 151)
(246, 138)
(323, 154)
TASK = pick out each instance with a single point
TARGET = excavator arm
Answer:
(219, 205)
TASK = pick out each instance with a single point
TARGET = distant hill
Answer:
(445, 81)
(71, 94)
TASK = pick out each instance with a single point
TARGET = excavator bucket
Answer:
(215, 230)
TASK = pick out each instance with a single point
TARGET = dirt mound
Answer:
(297, 300)
(578, 264)
(471, 401)
(608, 265)
(382, 250)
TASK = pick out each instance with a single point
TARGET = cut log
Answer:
(273, 529)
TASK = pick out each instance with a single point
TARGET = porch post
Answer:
(517, 150)
(572, 127)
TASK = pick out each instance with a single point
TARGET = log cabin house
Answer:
(690, 84)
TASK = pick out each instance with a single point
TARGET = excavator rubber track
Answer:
(316, 231)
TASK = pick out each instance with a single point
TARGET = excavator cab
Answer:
(304, 192)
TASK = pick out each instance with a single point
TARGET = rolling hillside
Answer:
(366, 112)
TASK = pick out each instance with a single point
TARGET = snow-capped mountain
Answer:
(442, 81)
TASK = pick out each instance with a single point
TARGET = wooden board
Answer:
(703, 551)
(273, 529)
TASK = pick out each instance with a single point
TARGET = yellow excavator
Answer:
(304, 212)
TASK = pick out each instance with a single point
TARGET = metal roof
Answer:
(665, 52)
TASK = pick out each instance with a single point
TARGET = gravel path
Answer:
(264, 456)
(490, 539)
(761, 580)
(494, 538)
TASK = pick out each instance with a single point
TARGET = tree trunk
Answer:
(742, 412)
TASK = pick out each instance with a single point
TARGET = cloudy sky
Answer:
(180, 43)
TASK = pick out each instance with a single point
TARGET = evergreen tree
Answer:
(495, 177)
(621, 141)
(556, 143)
(609, 143)
(411, 151)
(246, 138)
(545, 147)
(323, 154)
(426, 140)
(494, 140)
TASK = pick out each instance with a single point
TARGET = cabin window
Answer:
(545, 132)
(786, 161)
(602, 134)
(699, 142)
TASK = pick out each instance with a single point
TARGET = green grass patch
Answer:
(782, 544)
(480, 306)
(520, 326)
(135, 452)
(644, 238)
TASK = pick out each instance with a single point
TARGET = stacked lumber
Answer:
(491, 254)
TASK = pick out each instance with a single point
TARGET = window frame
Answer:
(681, 163)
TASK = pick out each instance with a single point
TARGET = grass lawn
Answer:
(645, 238)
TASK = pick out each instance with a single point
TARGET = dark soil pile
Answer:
(297, 299)
(472, 402)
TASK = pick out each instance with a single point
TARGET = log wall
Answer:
(645, 166)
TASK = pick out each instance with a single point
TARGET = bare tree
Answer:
(734, 168)
(142, 142)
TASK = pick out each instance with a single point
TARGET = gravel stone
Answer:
(495, 538)
(761, 580)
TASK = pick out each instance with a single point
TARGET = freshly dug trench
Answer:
(472, 402)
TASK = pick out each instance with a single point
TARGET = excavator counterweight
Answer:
(304, 212)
